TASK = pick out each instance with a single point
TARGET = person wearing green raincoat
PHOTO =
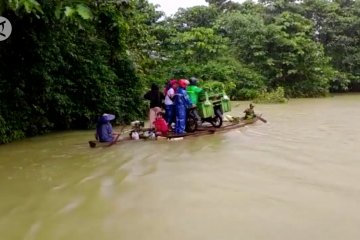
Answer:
(193, 91)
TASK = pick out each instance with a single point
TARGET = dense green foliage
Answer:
(275, 96)
(69, 61)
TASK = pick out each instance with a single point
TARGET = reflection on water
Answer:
(293, 178)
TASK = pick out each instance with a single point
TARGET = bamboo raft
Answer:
(200, 132)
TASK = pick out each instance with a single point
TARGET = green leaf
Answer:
(58, 11)
(84, 11)
(293, 71)
(69, 11)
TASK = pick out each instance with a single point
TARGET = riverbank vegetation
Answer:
(68, 61)
(274, 96)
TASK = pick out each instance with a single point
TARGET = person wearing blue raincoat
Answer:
(182, 103)
(104, 130)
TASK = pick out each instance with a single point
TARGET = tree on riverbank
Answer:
(68, 61)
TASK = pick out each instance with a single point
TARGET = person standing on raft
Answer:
(156, 99)
(182, 103)
(169, 101)
(194, 91)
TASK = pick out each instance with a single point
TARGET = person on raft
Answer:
(194, 91)
(104, 130)
(169, 101)
(161, 126)
(156, 101)
(250, 113)
(182, 103)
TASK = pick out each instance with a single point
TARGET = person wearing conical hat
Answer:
(104, 130)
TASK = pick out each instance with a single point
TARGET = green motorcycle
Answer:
(210, 108)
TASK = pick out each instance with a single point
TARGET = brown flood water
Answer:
(296, 178)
